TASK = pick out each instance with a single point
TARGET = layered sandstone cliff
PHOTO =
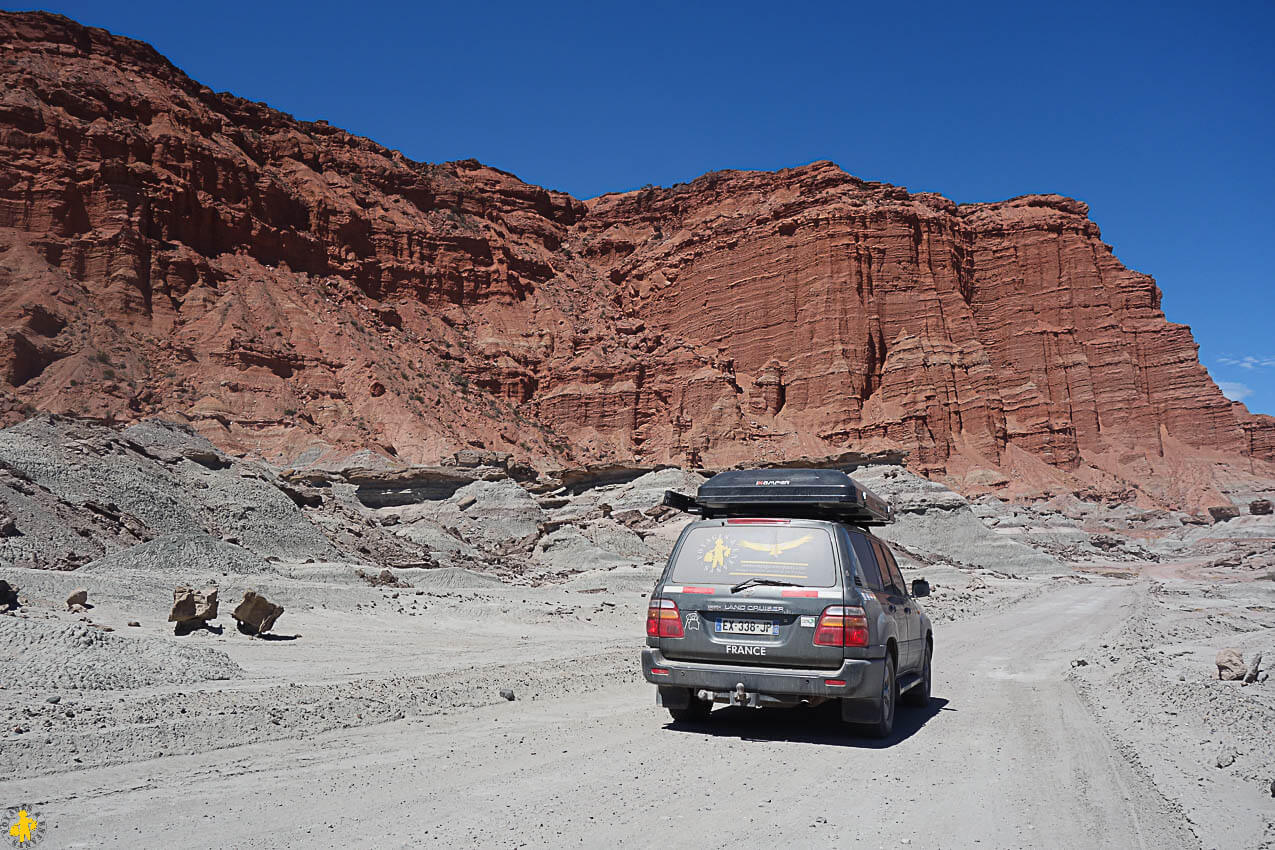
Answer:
(982, 337)
(297, 292)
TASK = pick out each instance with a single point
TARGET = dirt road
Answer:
(1006, 756)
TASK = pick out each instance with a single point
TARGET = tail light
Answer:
(842, 625)
(663, 619)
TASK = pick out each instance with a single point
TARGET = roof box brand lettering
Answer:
(803, 493)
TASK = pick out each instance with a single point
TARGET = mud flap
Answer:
(673, 697)
(860, 710)
(865, 707)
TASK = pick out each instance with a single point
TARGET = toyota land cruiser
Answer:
(780, 596)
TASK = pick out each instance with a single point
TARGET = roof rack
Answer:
(796, 493)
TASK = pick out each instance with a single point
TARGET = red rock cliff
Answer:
(295, 290)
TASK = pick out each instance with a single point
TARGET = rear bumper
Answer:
(862, 678)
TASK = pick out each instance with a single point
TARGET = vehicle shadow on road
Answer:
(819, 725)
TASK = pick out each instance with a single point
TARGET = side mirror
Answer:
(920, 587)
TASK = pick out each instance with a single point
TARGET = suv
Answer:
(780, 596)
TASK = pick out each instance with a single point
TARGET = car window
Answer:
(895, 570)
(717, 554)
(849, 563)
(890, 565)
(867, 561)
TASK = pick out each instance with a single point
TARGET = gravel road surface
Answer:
(1006, 756)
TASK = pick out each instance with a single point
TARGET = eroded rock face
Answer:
(163, 248)
(980, 336)
(297, 292)
(152, 484)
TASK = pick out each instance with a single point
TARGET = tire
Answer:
(919, 694)
(696, 711)
(889, 700)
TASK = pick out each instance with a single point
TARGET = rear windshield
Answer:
(731, 554)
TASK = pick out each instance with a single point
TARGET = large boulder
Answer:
(1260, 507)
(1224, 513)
(192, 609)
(385, 578)
(78, 600)
(256, 615)
(1230, 665)
(8, 596)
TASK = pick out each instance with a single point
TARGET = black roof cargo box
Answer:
(806, 493)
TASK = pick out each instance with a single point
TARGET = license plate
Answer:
(746, 627)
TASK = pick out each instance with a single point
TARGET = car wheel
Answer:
(919, 694)
(889, 697)
(696, 711)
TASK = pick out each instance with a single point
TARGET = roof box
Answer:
(799, 493)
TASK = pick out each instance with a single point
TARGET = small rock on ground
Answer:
(1230, 665)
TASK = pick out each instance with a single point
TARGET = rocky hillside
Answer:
(296, 293)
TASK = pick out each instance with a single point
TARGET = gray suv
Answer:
(780, 596)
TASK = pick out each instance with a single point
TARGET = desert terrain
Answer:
(331, 481)
(1076, 701)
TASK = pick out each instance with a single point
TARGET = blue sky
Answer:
(1160, 116)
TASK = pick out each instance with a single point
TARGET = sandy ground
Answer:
(390, 731)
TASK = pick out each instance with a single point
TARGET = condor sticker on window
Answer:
(727, 555)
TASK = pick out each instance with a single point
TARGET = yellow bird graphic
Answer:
(776, 549)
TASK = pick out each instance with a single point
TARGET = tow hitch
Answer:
(740, 696)
(745, 698)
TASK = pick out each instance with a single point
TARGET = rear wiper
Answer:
(773, 582)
